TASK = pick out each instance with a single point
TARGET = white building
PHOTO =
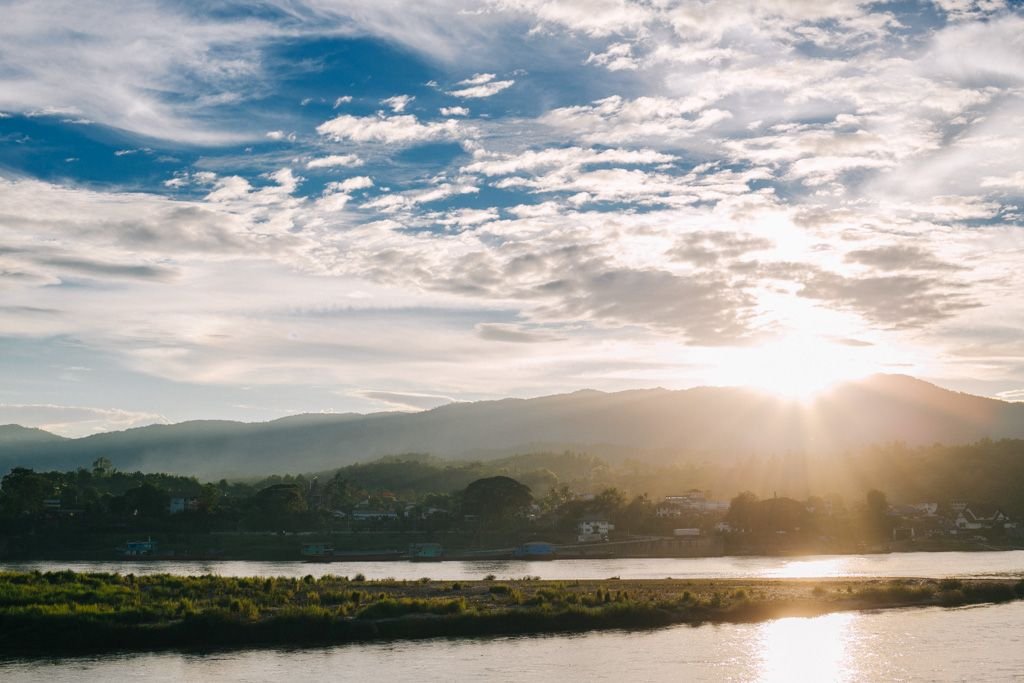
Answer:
(981, 516)
(693, 500)
(593, 529)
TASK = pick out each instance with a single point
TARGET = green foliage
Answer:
(496, 498)
(92, 612)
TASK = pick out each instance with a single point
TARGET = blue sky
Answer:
(288, 206)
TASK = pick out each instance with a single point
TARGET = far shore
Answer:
(289, 547)
(68, 613)
(586, 552)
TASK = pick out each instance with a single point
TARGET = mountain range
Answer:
(657, 425)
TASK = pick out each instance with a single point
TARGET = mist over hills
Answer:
(658, 425)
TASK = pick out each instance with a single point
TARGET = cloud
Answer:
(405, 401)
(404, 129)
(75, 421)
(515, 334)
(899, 257)
(706, 248)
(704, 309)
(390, 203)
(488, 89)
(398, 103)
(903, 301)
(1012, 182)
(165, 90)
(497, 164)
(847, 170)
(351, 184)
(617, 57)
(334, 160)
(478, 79)
(615, 120)
(117, 270)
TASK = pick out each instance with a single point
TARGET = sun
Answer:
(798, 368)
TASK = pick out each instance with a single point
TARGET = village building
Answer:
(590, 529)
(976, 516)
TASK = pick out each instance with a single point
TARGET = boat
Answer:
(425, 552)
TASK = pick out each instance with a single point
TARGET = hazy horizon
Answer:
(73, 430)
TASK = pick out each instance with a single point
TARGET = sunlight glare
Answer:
(808, 569)
(796, 368)
(807, 649)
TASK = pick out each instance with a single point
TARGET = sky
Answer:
(245, 210)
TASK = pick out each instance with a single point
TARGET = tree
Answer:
(877, 522)
(280, 500)
(496, 498)
(638, 513)
(742, 512)
(338, 493)
(609, 502)
(23, 491)
(146, 501)
(556, 497)
(102, 467)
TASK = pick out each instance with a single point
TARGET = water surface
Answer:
(975, 643)
(924, 565)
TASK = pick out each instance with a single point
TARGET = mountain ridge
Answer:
(654, 424)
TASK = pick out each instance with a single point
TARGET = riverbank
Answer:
(44, 614)
(375, 547)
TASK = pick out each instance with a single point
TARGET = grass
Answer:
(66, 612)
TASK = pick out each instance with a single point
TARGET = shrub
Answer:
(989, 592)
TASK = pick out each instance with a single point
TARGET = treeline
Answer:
(422, 488)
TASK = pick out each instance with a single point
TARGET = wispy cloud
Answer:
(74, 421)
(661, 182)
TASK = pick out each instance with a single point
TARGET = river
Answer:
(976, 643)
(924, 565)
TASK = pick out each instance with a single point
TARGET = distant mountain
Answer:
(16, 434)
(651, 424)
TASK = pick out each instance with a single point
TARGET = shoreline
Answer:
(64, 613)
(491, 556)
(588, 552)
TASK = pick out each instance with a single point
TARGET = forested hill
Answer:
(652, 424)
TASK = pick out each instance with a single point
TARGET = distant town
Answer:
(99, 512)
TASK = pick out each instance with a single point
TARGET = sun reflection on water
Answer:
(800, 649)
(808, 569)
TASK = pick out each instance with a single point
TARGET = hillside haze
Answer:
(651, 424)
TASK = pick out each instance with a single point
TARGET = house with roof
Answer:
(693, 500)
(667, 510)
(976, 516)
